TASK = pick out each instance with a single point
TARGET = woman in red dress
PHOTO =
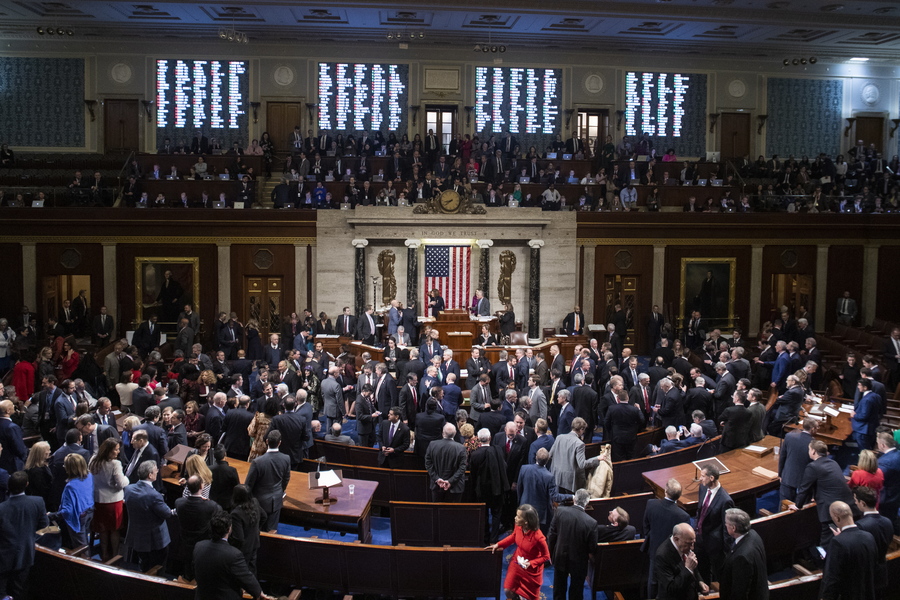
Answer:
(867, 474)
(525, 573)
(68, 361)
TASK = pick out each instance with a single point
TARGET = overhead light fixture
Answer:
(858, 59)
(421, 35)
(60, 31)
(390, 35)
(813, 60)
(223, 34)
(40, 30)
(502, 48)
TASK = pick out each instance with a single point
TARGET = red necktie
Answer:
(646, 400)
(508, 445)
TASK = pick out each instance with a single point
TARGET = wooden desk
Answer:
(300, 507)
(834, 431)
(742, 485)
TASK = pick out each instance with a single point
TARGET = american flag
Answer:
(447, 269)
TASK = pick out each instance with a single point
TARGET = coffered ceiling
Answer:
(829, 29)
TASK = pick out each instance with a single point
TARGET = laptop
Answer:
(634, 181)
(346, 206)
(591, 181)
(239, 205)
(330, 153)
(37, 204)
(702, 182)
(224, 176)
(311, 178)
(551, 155)
(219, 204)
(288, 205)
(713, 156)
(567, 157)
(514, 204)
(172, 177)
(403, 202)
(16, 203)
(473, 179)
(524, 179)
(715, 182)
(378, 178)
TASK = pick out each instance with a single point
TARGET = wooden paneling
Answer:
(888, 283)
(281, 117)
(606, 263)
(209, 275)
(845, 269)
(85, 259)
(12, 298)
(121, 125)
(800, 260)
(734, 131)
(251, 260)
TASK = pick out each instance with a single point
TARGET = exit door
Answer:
(594, 124)
(734, 132)
(870, 130)
(263, 298)
(281, 118)
(442, 119)
(623, 289)
(120, 125)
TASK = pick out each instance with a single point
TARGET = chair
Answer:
(518, 338)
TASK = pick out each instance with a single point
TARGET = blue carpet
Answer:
(381, 535)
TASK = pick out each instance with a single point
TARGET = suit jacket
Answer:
(157, 436)
(12, 458)
(194, 514)
(537, 487)
(569, 323)
(104, 328)
(500, 377)
(144, 340)
(147, 516)
(660, 517)
(743, 575)
(823, 481)
(515, 458)
(849, 572)
(446, 459)
(569, 463)
(268, 478)
(622, 424)
(20, 517)
(671, 409)
(400, 442)
(363, 328)
(149, 453)
(566, 416)
(615, 533)
(409, 404)
(736, 432)
(365, 422)
(882, 529)
(889, 463)
(866, 418)
(294, 434)
(788, 404)
(572, 538)
(221, 572)
(332, 398)
(794, 457)
(386, 393)
(724, 390)
(712, 536)
(345, 320)
(428, 429)
(225, 477)
(673, 579)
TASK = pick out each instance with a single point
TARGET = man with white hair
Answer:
(566, 413)
(572, 538)
(671, 407)
(725, 386)
(488, 476)
(445, 461)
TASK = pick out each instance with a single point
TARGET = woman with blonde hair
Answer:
(867, 473)
(128, 425)
(109, 496)
(37, 467)
(470, 441)
(76, 509)
(44, 364)
(195, 465)
(259, 427)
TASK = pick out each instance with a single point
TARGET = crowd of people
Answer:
(522, 440)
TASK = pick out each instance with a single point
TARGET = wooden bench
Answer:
(653, 435)
(781, 549)
(395, 571)
(430, 524)
(805, 587)
(628, 475)
(633, 504)
(619, 567)
(362, 456)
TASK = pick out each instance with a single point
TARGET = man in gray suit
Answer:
(538, 408)
(445, 461)
(268, 479)
(482, 304)
(846, 309)
(185, 338)
(147, 533)
(333, 398)
(567, 459)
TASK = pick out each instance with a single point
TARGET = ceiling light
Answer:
(60, 31)
(802, 61)
(69, 32)
(796, 61)
(485, 48)
(230, 36)
(40, 30)
(858, 59)
(813, 60)
(222, 34)
(50, 31)
(786, 62)
(421, 35)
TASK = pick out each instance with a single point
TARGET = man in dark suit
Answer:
(725, 386)
(365, 328)
(13, 454)
(711, 536)
(786, 407)
(743, 575)
(268, 478)
(660, 516)
(147, 336)
(430, 423)
(823, 481)
(367, 418)
(20, 517)
(345, 324)
(514, 452)
(573, 323)
(670, 410)
(394, 438)
(294, 432)
(445, 461)
(194, 514)
(237, 442)
(222, 571)
(148, 534)
(409, 400)
(572, 539)
(585, 402)
(385, 388)
(881, 528)
(225, 477)
(618, 529)
(794, 457)
(889, 463)
(142, 452)
(849, 571)
(273, 352)
(654, 327)
(675, 567)
(155, 433)
(866, 415)
(735, 421)
(622, 424)
(103, 328)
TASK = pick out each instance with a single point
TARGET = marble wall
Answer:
(389, 228)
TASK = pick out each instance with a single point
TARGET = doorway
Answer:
(795, 291)
(55, 289)
(442, 119)
(871, 131)
(263, 298)
(594, 123)
(121, 125)
(281, 118)
(623, 289)
(734, 135)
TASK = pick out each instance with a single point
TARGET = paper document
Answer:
(328, 479)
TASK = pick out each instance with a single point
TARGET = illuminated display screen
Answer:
(209, 95)
(517, 100)
(363, 97)
(655, 103)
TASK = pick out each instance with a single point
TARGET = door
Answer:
(263, 298)
(623, 289)
(442, 119)
(795, 291)
(594, 123)
(281, 118)
(121, 125)
(734, 135)
(55, 289)
(871, 131)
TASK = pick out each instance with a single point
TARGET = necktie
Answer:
(413, 390)
(844, 307)
(511, 375)
(646, 400)
(508, 445)
(346, 325)
(133, 463)
(703, 511)
(393, 429)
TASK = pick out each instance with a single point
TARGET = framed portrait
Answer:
(708, 285)
(163, 285)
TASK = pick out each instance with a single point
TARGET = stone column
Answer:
(534, 289)
(756, 258)
(484, 265)
(870, 292)
(359, 287)
(224, 282)
(299, 279)
(110, 295)
(412, 271)
(29, 276)
(659, 276)
(821, 299)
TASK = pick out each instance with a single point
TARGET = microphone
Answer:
(320, 461)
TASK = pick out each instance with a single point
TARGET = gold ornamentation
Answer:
(504, 283)
(388, 282)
